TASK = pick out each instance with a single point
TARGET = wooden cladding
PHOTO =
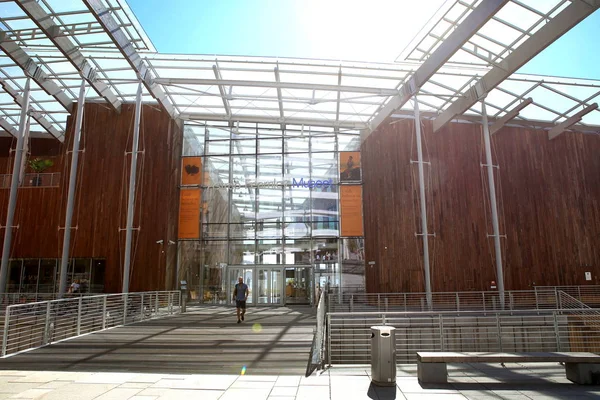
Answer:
(101, 197)
(548, 198)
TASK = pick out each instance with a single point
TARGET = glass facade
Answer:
(261, 218)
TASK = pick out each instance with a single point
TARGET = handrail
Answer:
(317, 349)
(36, 324)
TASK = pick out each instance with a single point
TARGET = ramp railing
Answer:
(36, 324)
(318, 348)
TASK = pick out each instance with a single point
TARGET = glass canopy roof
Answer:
(60, 41)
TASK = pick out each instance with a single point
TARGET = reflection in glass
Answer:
(323, 143)
(325, 204)
(214, 205)
(325, 251)
(348, 143)
(324, 166)
(242, 231)
(242, 252)
(269, 205)
(218, 147)
(216, 170)
(270, 146)
(296, 203)
(269, 168)
(297, 251)
(296, 145)
(296, 167)
(269, 252)
(193, 140)
(214, 284)
(214, 231)
(213, 133)
(243, 147)
(243, 204)
(243, 170)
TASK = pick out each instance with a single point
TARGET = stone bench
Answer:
(581, 368)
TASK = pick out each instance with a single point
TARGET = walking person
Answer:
(240, 295)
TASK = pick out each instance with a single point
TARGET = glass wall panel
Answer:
(218, 147)
(243, 204)
(269, 168)
(270, 146)
(46, 277)
(269, 206)
(325, 227)
(265, 230)
(243, 170)
(325, 251)
(296, 203)
(348, 143)
(14, 276)
(215, 202)
(264, 132)
(193, 140)
(296, 168)
(30, 275)
(214, 284)
(214, 231)
(213, 133)
(297, 251)
(322, 143)
(189, 259)
(325, 204)
(242, 252)
(296, 144)
(98, 270)
(214, 253)
(243, 147)
(269, 252)
(242, 231)
(353, 265)
(216, 170)
(324, 166)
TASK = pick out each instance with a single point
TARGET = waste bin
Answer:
(383, 355)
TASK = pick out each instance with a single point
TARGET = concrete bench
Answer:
(581, 368)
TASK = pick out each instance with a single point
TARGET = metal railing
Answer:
(545, 298)
(515, 331)
(46, 179)
(7, 299)
(37, 324)
(317, 350)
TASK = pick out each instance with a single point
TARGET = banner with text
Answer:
(191, 170)
(351, 207)
(189, 213)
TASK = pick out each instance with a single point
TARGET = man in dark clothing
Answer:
(240, 295)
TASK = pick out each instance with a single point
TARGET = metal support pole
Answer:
(47, 337)
(492, 187)
(71, 195)
(142, 309)
(424, 232)
(131, 199)
(104, 312)
(79, 307)
(5, 333)
(14, 187)
(156, 305)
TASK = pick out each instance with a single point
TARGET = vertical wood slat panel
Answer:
(101, 197)
(548, 195)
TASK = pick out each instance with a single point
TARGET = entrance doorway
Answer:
(297, 285)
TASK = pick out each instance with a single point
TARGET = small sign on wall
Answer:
(588, 276)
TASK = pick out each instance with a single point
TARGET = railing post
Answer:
(5, 333)
(556, 332)
(47, 323)
(385, 303)
(104, 312)
(559, 301)
(511, 300)
(441, 323)
(383, 319)
(125, 298)
(79, 306)
(352, 303)
(329, 339)
(405, 305)
(499, 329)
(142, 309)
(536, 298)
(156, 304)
(170, 303)
(378, 302)
(457, 302)
(579, 293)
(555, 297)
(483, 297)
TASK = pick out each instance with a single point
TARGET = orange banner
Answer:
(351, 207)
(350, 166)
(191, 170)
(189, 213)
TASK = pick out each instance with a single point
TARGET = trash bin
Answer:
(383, 355)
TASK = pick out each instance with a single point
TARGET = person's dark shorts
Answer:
(240, 304)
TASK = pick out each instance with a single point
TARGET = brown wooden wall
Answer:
(101, 196)
(548, 196)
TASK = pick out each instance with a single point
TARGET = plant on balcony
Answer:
(39, 165)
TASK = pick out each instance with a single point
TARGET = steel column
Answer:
(131, 199)
(14, 187)
(71, 194)
(424, 231)
(492, 187)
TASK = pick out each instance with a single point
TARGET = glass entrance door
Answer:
(297, 285)
(234, 274)
(270, 286)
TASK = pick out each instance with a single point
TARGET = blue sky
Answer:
(374, 30)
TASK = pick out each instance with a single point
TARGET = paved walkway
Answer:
(203, 340)
(538, 381)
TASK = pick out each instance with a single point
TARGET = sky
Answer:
(350, 30)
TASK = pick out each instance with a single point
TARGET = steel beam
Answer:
(118, 36)
(339, 96)
(509, 115)
(64, 263)
(7, 126)
(472, 23)
(493, 205)
(274, 120)
(423, 206)
(279, 94)
(275, 85)
(131, 196)
(14, 186)
(222, 90)
(552, 30)
(47, 125)
(22, 59)
(563, 126)
(54, 32)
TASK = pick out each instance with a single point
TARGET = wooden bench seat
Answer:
(581, 368)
